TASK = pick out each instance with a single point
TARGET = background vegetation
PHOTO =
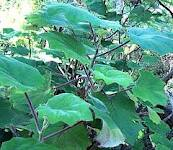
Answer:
(86, 74)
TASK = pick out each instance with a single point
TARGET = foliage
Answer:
(83, 75)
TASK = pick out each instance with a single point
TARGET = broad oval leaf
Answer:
(150, 88)
(67, 108)
(75, 138)
(19, 143)
(110, 75)
(110, 137)
(16, 74)
(66, 15)
(121, 117)
(161, 42)
(71, 47)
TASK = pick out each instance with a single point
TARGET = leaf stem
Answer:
(165, 7)
(113, 49)
(88, 77)
(96, 45)
(69, 82)
(34, 114)
(56, 133)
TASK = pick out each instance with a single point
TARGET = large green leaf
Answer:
(16, 74)
(150, 88)
(66, 108)
(75, 138)
(161, 42)
(26, 144)
(110, 135)
(66, 15)
(110, 75)
(123, 115)
(11, 117)
(71, 47)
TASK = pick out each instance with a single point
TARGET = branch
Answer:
(164, 6)
(34, 114)
(168, 76)
(70, 82)
(89, 78)
(96, 45)
(59, 132)
(110, 36)
(110, 51)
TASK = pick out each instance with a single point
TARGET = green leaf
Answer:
(160, 132)
(9, 116)
(16, 74)
(18, 100)
(150, 88)
(154, 116)
(97, 6)
(97, 103)
(161, 139)
(122, 115)
(149, 60)
(71, 47)
(66, 108)
(161, 42)
(140, 14)
(10, 33)
(109, 137)
(162, 147)
(75, 138)
(20, 50)
(110, 75)
(65, 15)
(19, 143)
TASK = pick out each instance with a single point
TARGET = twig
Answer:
(168, 76)
(70, 82)
(108, 37)
(14, 131)
(34, 114)
(89, 78)
(168, 117)
(96, 45)
(59, 132)
(113, 49)
(123, 90)
(164, 6)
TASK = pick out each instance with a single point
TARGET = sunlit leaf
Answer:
(16, 74)
(111, 75)
(154, 116)
(71, 47)
(150, 39)
(65, 15)
(66, 108)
